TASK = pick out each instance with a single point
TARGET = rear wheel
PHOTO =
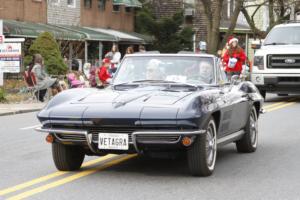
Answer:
(67, 158)
(202, 155)
(248, 143)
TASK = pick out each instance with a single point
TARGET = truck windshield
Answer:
(283, 36)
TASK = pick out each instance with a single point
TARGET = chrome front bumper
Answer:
(138, 137)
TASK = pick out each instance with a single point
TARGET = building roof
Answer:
(239, 28)
(90, 35)
(32, 30)
(119, 36)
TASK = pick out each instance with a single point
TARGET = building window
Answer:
(71, 3)
(88, 3)
(116, 8)
(54, 2)
(128, 9)
(101, 4)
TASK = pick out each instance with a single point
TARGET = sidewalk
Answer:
(10, 109)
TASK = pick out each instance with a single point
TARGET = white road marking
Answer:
(30, 127)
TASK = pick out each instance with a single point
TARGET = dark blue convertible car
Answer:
(156, 104)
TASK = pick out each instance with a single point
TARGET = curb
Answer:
(20, 112)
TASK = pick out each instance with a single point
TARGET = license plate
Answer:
(113, 141)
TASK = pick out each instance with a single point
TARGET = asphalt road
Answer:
(272, 172)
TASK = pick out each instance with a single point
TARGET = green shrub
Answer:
(47, 46)
(2, 95)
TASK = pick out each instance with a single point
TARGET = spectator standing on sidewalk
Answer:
(115, 57)
(234, 58)
(43, 80)
(129, 50)
(142, 49)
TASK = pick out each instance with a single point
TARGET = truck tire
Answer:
(248, 143)
(66, 157)
(202, 155)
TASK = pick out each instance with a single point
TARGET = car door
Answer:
(241, 108)
(234, 105)
(225, 102)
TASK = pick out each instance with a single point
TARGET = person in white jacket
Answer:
(115, 57)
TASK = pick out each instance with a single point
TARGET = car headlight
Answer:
(259, 62)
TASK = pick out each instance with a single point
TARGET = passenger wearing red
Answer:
(234, 58)
(103, 73)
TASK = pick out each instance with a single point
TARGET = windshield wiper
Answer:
(143, 81)
(276, 43)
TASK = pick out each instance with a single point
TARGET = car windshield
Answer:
(179, 69)
(283, 36)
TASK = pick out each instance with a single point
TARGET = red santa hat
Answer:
(106, 60)
(233, 39)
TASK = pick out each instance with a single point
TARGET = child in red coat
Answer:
(103, 73)
(234, 58)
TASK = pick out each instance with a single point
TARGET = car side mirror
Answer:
(235, 79)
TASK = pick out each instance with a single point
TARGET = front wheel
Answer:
(202, 155)
(248, 143)
(67, 158)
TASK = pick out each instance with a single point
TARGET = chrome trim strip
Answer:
(134, 134)
(65, 131)
(179, 133)
(230, 138)
(68, 131)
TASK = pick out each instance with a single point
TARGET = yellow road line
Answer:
(50, 176)
(69, 178)
(279, 103)
(281, 106)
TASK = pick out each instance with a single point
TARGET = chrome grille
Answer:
(157, 138)
(279, 61)
(71, 137)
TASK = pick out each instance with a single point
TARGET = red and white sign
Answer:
(10, 57)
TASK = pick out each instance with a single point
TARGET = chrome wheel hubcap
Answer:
(253, 129)
(211, 145)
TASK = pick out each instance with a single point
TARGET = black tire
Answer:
(197, 155)
(67, 158)
(263, 93)
(248, 143)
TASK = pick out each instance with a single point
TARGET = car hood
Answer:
(112, 107)
(279, 49)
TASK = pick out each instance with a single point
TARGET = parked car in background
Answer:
(157, 103)
(276, 66)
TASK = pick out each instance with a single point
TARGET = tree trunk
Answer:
(212, 10)
(233, 20)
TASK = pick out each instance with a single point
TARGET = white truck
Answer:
(276, 65)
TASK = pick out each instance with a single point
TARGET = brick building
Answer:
(85, 29)
(106, 14)
(24, 10)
